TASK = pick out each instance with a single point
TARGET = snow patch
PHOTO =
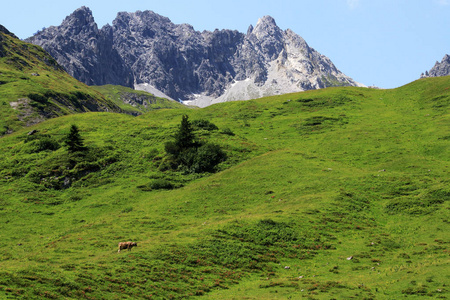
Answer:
(151, 89)
(199, 100)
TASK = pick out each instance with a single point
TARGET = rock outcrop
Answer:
(149, 52)
(440, 68)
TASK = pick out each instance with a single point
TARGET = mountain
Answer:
(84, 51)
(440, 68)
(147, 51)
(34, 87)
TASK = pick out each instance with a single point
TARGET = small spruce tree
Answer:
(74, 141)
(184, 138)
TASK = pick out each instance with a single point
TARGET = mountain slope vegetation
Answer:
(335, 193)
(134, 102)
(33, 87)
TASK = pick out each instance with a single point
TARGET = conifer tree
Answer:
(190, 155)
(73, 140)
(184, 138)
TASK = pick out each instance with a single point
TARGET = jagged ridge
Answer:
(148, 51)
(440, 68)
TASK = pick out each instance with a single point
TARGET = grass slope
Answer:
(336, 193)
(135, 102)
(33, 87)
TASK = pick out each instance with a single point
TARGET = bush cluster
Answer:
(204, 124)
(38, 97)
(189, 155)
(76, 166)
(158, 184)
(40, 142)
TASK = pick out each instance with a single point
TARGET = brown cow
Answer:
(126, 245)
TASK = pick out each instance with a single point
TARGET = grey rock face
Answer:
(84, 51)
(440, 68)
(175, 59)
(148, 51)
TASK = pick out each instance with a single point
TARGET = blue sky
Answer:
(387, 43)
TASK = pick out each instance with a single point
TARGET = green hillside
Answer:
(135, 102)
(337, 193)
(33, 87)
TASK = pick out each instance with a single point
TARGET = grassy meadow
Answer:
(340, 193)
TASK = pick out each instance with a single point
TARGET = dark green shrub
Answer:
(52, 94)
(167, 163)
(439, 196)
(38, 143)
(190, 156)
(186, 159)
(80, 95)
(318, 120)
(34, 176)
(202, 159)
(206, 158)
(266, 232)
(419, 290)
(161, 184)
(227, 131)
(417, 206)
(3, 130)
(127, 210)
(305, 100)
(172, 148)
(204, 124)
(158, 184)
(38, 98)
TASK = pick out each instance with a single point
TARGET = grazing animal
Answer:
(126, 245)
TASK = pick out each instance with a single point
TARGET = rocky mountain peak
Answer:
(266, 26)
(81, 20)
(140, 21)
(150, 17)
(150, 52)
(84, 51)
(250, 29)
(266, 21)
(267, 37)
(440, 68)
